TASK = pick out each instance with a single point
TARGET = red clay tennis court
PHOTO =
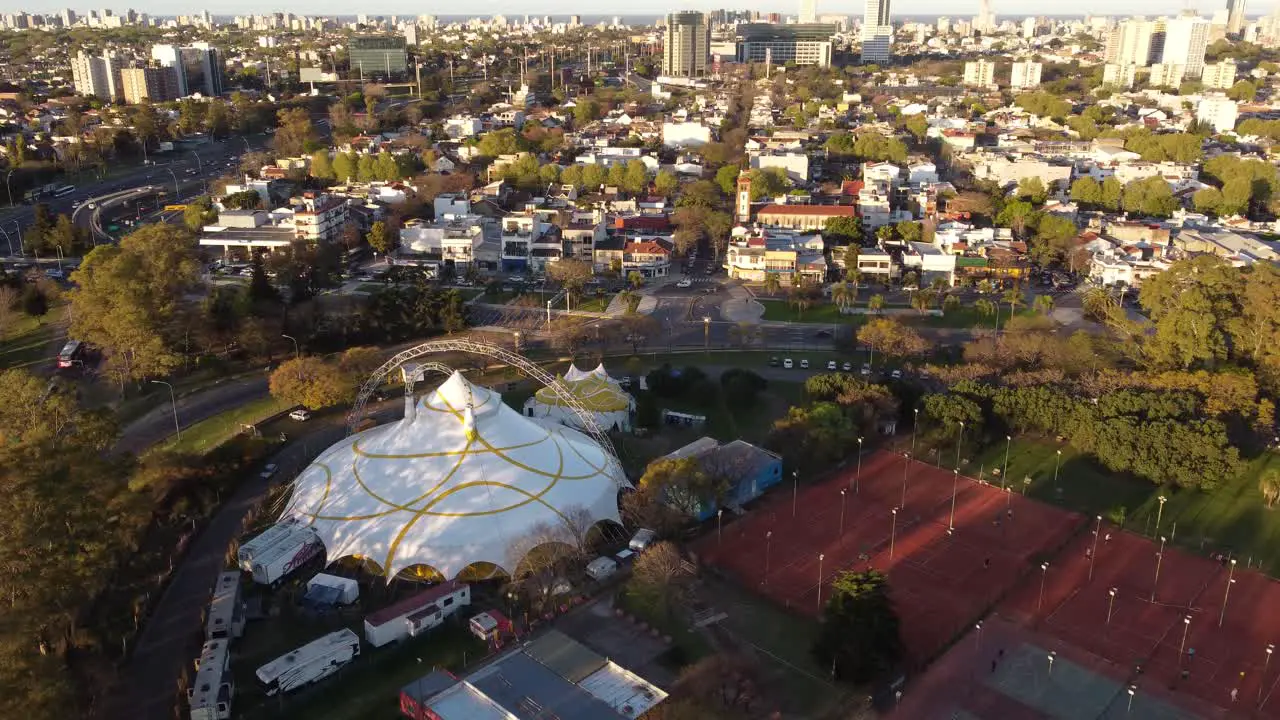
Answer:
(1165, 625)
(942, 581)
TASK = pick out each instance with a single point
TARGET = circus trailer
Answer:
(310, 663)
(255, 546)
(416, 614)
(287, 555)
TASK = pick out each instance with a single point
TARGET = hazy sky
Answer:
(1012, 8)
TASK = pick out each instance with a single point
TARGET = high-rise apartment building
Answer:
(808, 11)
(1166, 75)
(985, 21)
(1025, 74)
(197, 68)
(1235, 17)
(1221, 75)
(1136, 42)
(68, 17)
(1120, 76)
(97, 76)
(1186, 38)
(980, 73)
(149, 84)
(877, 32)
(686, 48)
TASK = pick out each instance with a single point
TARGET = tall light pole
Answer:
(548, 314)
(517, 342)
(1132, 689)
(1159, 559)
(951, 524)
(1004, 472)
(1160, 511)
(959, 439)
(795, 490)
(820, 559)
(768, 546)
(915, 430)
(1093, 554)
(719, 524)
(173, 399)
(296, 353)
(8, 190)
(706, 335)
(1265, 664)
(177, 192)
(1056, 464)
(8, 238)
(857, 479)
(1053, 654)
(1186, 625)
(1044, 572)
(1111, 603)
(906, 460)
(893, 532)
(842, 504)
(1231, 580)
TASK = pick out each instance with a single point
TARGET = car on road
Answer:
(866, 369)
(788, 364)
(896, 374)
(364, 277)
(804, 363)
(301, 415)
(685, 283)
(269, 471)
(824, 333)
(831, 364)
(774, 362)
(848, 366)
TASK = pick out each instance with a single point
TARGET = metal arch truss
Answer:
(415, 372)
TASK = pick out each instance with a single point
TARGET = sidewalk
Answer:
(742, 306)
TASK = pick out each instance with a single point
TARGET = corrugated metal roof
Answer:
(565, 656)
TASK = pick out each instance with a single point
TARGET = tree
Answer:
(1255, 331)
(345, 167)
(9, 309)
(322, 166)
(891, 338)
(1208, 201)
(843, 230)
(859, 638)
(1242, 91)
(1269, 486)
(1111, 193)
(665, 183)
(1043, 304)
(310, 382)
(727, 179)
(198, 213)
(380, 238)
(683, 484)
(772, 283)
(768, 182)
(1193, 305)
(1087, 192)
(1033, 190)
(700, 194)
(658, 580)
(573, 275)
(294, 133)
(243, 200)
(875, 303)
(635, 279)
(1017, 215)
(1149, 196)
(585, 111)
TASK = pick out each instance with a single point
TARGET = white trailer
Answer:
(273, 564)
(226, 611)
(209, 696)
(416, 614)
(310, 663)
(263, 540)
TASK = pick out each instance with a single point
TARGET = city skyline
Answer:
(655, 8)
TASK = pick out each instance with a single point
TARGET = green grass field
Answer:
(598, 303)
(208, 434)
(31, 340)
(819, 312)
(965, 317)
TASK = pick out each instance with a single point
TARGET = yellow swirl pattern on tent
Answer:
(596, 394)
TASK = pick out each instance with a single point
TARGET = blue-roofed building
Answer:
(751, 470)
(553, 676)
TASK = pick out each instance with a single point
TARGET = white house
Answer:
(685, 134)
(920, 173)
(795, 164)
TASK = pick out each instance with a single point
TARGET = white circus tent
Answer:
(602, 396)
(462, 479)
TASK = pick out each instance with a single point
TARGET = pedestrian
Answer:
(1088, 553)
(1235, 694)
(1000, 654)
(1107, 538)
(993, 666)
(986, 563)
(1009, 512)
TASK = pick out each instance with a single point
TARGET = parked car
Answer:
(774, 362)
(301, 415)
(847, 367)
(684, 283)
(896, 374)
(831, 364)
(642, 540)
(804, 363)
(866, 369)
(788, 364)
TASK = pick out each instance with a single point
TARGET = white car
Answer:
(804, 364)
(684, 283)
(847, 366)
(866, 369)
(788, 364)
(831, 364)
(301, 415)
(896, 374)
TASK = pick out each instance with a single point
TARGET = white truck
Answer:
(310, 663)
(288, 554)
(209, 696)
(226, 612)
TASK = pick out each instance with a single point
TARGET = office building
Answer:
(686, 49)
(808, 11)
(877, 32)
(149, 84)
(97, 76)
(980, 73)
(1186, 38)
(1025, 74)
(807, 44)
(384, 56)
(197, 68)
(1220, 76)
(1235, 17)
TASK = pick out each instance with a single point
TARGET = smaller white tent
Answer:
(602, 396)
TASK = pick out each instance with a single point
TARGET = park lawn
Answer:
(207, 434)
(965, 317)
(30, 340)
(821, 313)
(1233, 518)
(598, 303)
(1083, 485)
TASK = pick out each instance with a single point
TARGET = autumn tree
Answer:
(380, 238)
(1193, 305)
(658, 580)
(860, 637)
(310, 382)
(573, 275)
(294, 134)
(891, 338)
(683, 484)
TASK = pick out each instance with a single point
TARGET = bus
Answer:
(72, 353)
(63, 190)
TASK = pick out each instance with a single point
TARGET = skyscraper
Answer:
(808, 11)
(877, 32)
(1186, 38)
(1137, 41)
(985, 20)
(197, 68)
(1235, 16)
(97, 76)
(687, 46)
